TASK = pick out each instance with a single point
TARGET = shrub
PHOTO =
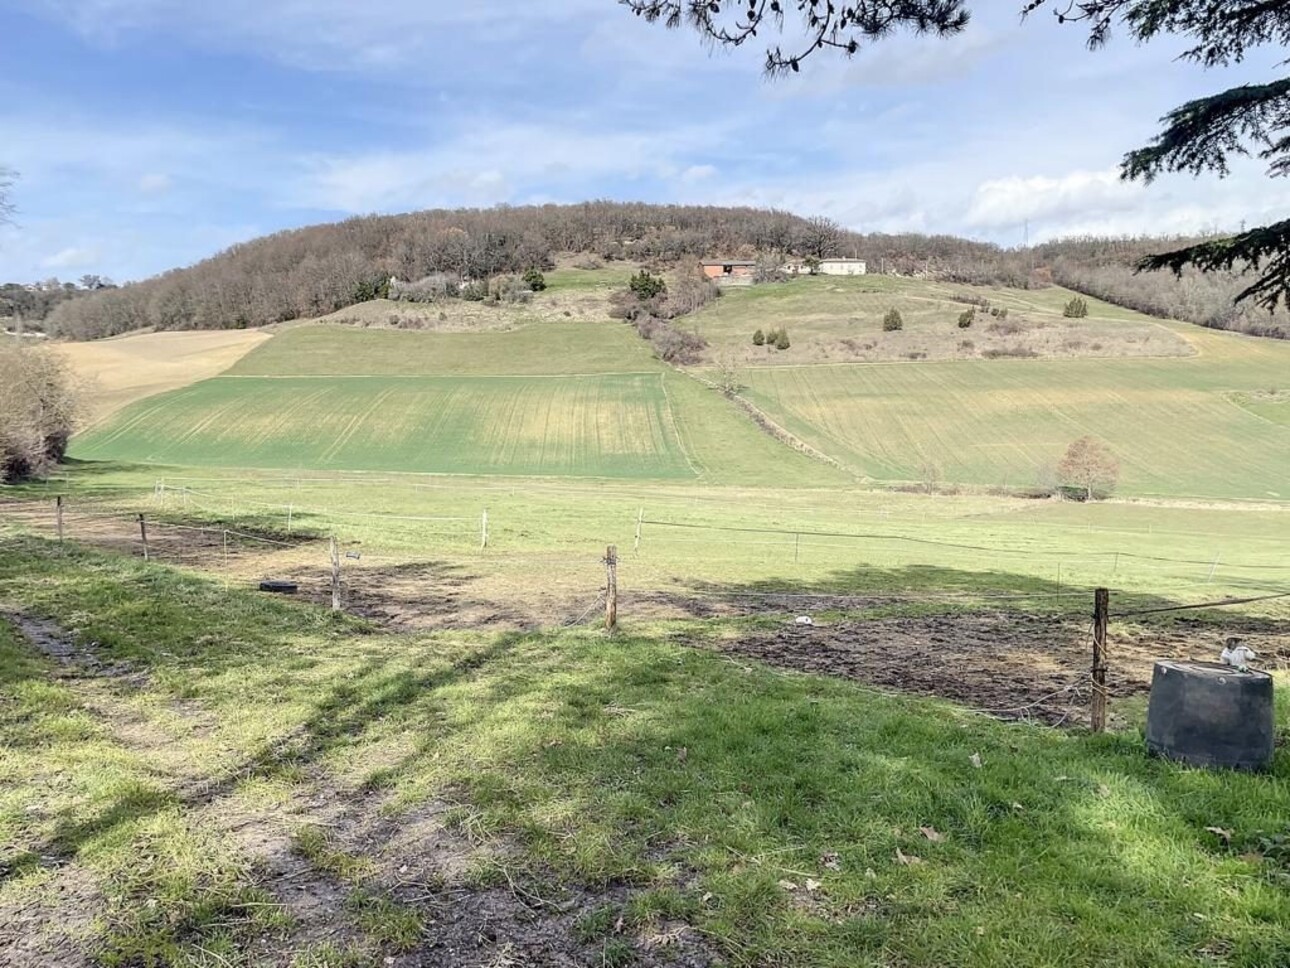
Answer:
(365, 290)
(772, 337)
(1003, 313)
(966, 318)
(892, 322)
(759, 338)
(645, 285)
(966, 345)
(673, 345)
(1077, 308)
(510, 289)
(534, 280)
(916, 355)
(39, 406)
(1010, 352)
(781, 340)
(475, 291)
(590, 263)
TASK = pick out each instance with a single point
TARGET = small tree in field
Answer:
(781, 340)
(812, 265)
(892, 322)
(645, 285)
(966, 318)
(759, 338)
(1077, 308)
(772, 337)
(534, 279)
(1088, 468)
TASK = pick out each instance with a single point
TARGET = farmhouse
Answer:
(729, 269)
(842, 267)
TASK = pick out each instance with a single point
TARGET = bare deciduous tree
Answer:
(1089, 466)
(39, 408)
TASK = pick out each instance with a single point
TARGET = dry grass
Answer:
(120, 371)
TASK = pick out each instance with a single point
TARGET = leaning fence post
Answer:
(611, 588)
(143, 535)
(58, 518)
(483, 530)
(640, 519)
(335, 575)
(290, 510)
(1101, 612)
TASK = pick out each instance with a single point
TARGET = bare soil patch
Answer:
(1009, 664)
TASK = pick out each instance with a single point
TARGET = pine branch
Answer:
(826, 24)
(1201, 135)
(1266, 249)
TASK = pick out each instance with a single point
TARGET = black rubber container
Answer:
(1208, 714)
(276, 587)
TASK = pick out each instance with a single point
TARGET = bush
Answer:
(39, 406)
(892, 322)
(1077, 308)
(673, 345)
(534, 280)
(759, 338)
(966, 318)
(781, 340)
(510, 289)
(772, 337)
(475, 291)
(365, 290)
(966, 345)
(1010, 353)
(645, 285)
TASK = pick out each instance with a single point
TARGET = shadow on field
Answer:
(718, 787)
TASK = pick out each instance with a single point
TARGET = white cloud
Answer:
(1010, 201)
(74, 257)
(498, 162)
(155, 183)
(698, 173)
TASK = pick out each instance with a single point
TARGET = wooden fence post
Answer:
(290, 511)
(640, 519)
(1101, 613)
(58, 518)
(611, 588)
(483, 530)
(143, 535)
(335, 575)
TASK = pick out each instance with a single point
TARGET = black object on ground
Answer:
(277, 587)
(1207, 714)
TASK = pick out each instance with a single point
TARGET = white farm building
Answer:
(842, 267)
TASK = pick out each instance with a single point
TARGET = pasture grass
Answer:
(789, 819)
(840, 320)
(1170, 422)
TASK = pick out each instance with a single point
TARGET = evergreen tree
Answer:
(892, 322)
(759, 338)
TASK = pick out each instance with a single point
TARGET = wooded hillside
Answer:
(320, 269)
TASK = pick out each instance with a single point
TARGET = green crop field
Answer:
(1171, 422)
(602, 426)
(1205, 418)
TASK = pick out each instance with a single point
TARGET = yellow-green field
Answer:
(579, 398)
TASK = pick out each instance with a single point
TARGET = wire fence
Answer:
(386, 561)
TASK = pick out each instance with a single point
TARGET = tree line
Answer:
(323, 268)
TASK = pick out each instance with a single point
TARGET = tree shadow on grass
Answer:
(719, 788)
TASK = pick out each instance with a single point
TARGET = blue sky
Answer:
(151, 133)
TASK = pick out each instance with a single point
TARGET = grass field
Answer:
(839, 320)
(315, 793)
(605, 426)
(1170, 422)
(615, 412)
